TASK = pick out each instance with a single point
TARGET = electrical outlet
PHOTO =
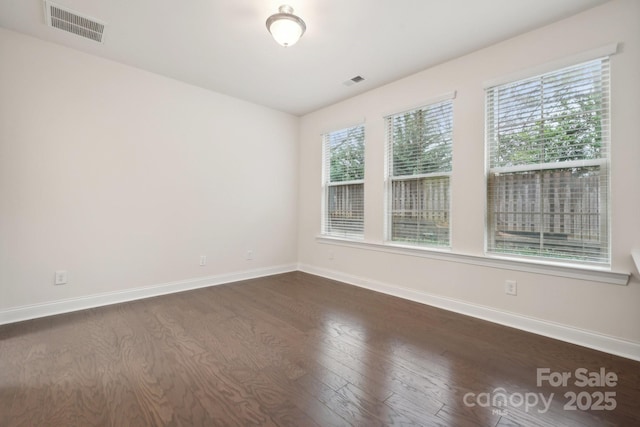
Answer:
(203, 260)
(511, 287)
(249, 255)
(331, 255)
(61, 277)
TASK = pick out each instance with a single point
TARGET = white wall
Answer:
(603, 309)
(124, 178)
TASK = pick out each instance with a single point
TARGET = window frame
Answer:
(327, 185)
(602, 163)
(390, 178)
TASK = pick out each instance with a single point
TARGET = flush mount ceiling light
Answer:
(285, 27)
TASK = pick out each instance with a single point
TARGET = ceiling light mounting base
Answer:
(285, 8)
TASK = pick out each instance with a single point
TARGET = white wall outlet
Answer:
(249, 255)
(203, 260)
(331, 255)
(511, 287)
(61, 277)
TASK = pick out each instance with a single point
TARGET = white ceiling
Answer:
(223, 45)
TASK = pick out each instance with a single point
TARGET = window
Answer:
(419, 158)
(548, 172)
(343, 179)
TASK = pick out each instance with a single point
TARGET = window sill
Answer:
(354, 238)
(549, 269)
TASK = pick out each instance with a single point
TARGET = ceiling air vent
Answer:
(67, 20)
(353, 80)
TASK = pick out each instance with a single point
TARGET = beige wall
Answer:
(124, 178)
(606, 309)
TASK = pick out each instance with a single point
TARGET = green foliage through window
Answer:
(346, 154)
(422, 140)
(549, 119)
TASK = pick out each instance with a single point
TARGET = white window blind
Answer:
(548, 175)
(343, 179)
(419, 159)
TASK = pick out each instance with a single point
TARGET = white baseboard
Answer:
(34, 311)
(600, 342)
(558, 331)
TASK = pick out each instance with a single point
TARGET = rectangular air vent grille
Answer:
(353, 80)
(64, 19)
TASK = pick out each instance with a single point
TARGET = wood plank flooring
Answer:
(294, 350)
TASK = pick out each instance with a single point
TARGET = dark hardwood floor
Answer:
(297, 350)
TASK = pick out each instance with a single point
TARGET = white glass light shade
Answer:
(285, 27)
(285, 32)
